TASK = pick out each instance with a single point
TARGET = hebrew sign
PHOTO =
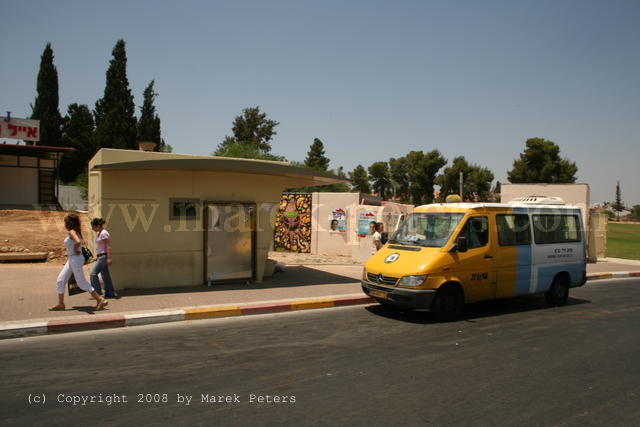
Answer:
(15, 128)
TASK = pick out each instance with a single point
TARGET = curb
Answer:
(28, 329)
(614, 275)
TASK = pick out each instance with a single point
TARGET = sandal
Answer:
(102, 304)
(57, 307)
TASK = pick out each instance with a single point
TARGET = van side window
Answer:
(476, 230)
(513, 229)
(556, 229)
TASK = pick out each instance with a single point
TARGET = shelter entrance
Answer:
(229, 242)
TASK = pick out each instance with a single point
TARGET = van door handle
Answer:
(488, 257)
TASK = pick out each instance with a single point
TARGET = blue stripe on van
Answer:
(546, 273)
(524, 258)
(523, 270)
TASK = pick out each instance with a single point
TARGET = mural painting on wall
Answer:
(293, 223)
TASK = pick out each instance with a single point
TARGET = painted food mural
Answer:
(293, 223)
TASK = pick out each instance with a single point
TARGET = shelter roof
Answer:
(295, 176)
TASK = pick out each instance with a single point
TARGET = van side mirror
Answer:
(461, 244)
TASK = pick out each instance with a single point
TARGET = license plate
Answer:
(378, 294)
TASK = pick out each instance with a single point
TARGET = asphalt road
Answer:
(510, 362)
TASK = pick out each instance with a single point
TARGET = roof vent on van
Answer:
(538, 200)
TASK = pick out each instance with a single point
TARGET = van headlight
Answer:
(412, 280)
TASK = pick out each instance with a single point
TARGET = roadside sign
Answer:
(16, 128)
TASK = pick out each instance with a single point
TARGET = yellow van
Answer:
(446, 255)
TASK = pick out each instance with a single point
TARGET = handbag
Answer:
(86, 253)
(73, 287)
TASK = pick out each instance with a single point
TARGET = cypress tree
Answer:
(618, 206)
(46, 104)
(316, 158)
(149, 123)
(114, 112)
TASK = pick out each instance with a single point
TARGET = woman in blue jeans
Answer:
(103, 259)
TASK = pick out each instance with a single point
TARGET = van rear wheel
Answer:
(447, 304)
(558, 294)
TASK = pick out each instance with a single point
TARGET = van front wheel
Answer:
(447, 304)
(558, 294)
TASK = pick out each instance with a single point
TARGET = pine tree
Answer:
(149, 123)
(381, 178)
(316, 158)
(114, 112)
(337, 188)
(541, 163)
(46, 104)
(476, 185)
(423, 169)
(77, 132)
(398, 169)
(360, 180)
(253, 129)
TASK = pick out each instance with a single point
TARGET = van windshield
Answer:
(428, 229)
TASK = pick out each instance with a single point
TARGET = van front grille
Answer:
(383, 280)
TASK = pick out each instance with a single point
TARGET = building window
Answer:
(184, 208)
(513, 229)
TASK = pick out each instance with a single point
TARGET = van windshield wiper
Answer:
(404, 242)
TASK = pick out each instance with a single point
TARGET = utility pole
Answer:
(461, 185)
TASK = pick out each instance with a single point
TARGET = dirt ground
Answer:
(43, 231)
(36, 231)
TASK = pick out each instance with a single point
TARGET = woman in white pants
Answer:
(74, 264)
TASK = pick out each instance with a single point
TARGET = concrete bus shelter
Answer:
(185, 220)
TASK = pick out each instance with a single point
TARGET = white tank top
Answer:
(70, 245)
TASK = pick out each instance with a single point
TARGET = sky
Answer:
(371, 79)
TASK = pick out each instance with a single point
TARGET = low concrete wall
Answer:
(70, 198)
(597, 235)
(572, 194)
(348, 242)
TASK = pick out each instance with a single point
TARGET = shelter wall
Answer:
(327, 242)
(150, 249)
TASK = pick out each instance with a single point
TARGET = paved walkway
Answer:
(27, 290)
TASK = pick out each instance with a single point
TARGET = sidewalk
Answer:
(27, 290)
